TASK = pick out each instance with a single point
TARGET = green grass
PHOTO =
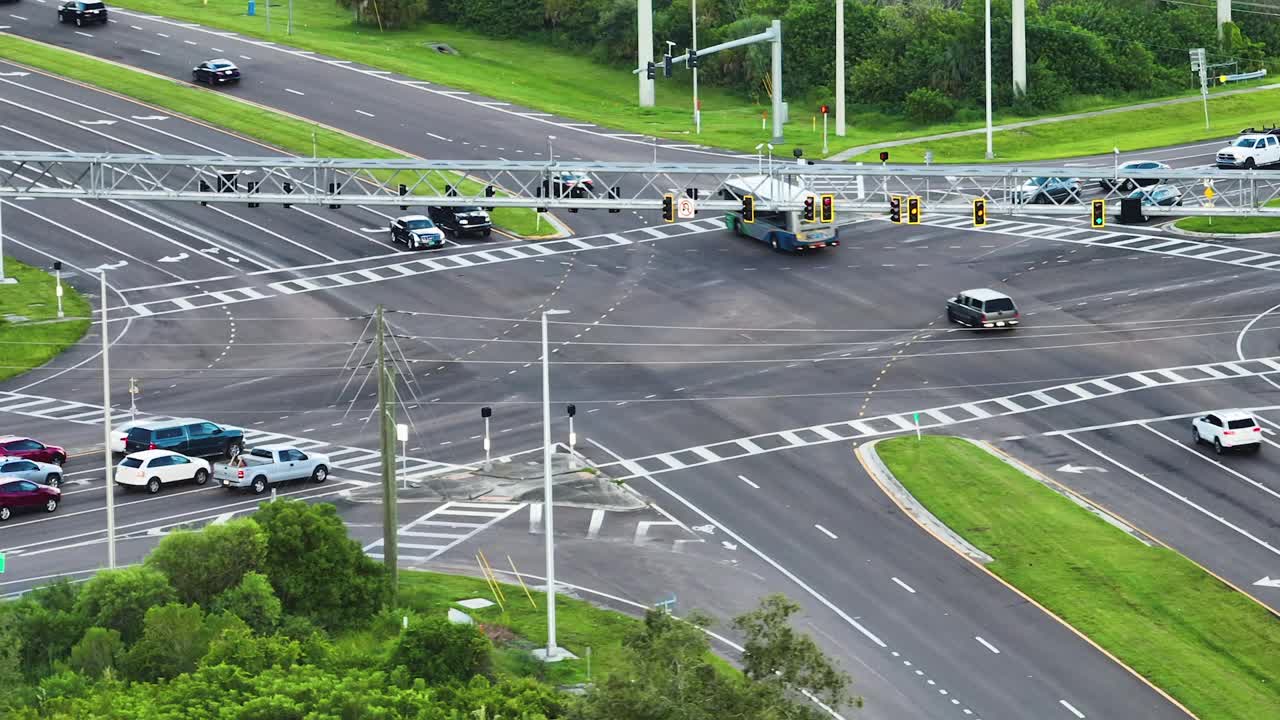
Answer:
(1229, 225)
(28, 344)
(286, 132)
(563, 82)
(1133, 130)
(1208, 646)
(579, 625)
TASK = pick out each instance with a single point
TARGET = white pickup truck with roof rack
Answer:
(1254, 148)
(270, 464)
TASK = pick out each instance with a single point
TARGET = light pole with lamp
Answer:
(990, 152)
(552, 653)
(57, 276)
(486, 412)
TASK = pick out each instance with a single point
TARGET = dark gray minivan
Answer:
(983, 308)
(188, 436)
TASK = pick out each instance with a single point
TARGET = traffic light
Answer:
(288, 190)
(825, 109)
(615, 192)
(649, 71)
(895, 209)
(666, 65)
(335, 191)
(809, 215)
(204, 188)
(693, 60)
(884, 156)
(749, 208)
(253, 189)
(538, 193)
(979, 212)
(404, 190)
(913, 210)
(669, 207)
(1100, 213)
(490, 191)
(828, 208)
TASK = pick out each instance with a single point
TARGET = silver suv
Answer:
(983, 308)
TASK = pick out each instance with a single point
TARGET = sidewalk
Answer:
(855, 151)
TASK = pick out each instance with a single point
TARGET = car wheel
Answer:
(320, 474)
(1195, 435)
(773, 243)
(1217, 446)
(1249, 164)
(1146, 217)
(202, 476)
(233, 450)
(51, 504)
(487, 233)
(259, 485)
(79, 22)
(59, 459)
(53, 480)
(1255, 448)
(5, 513)
(951, 315)
(153, 485)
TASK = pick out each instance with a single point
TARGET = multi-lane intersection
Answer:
(728, 383)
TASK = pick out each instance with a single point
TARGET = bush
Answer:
(97, 652)
(438, 651)
(239, 647)
(174, 638)
(253, 601)
(926, 105)
(119, 599)
(202, 564)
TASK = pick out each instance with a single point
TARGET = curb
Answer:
(1172, 230)
(905, 500)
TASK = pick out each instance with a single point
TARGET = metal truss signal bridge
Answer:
(1008, 189)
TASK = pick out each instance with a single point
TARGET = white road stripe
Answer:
(905, 586)
(597, 519)
(366, 114)
(1072, 708)
(150, 52)
(823, 530)
(295, 92)
(986, 644)
(744, 479)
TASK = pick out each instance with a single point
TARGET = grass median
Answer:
(1207, 645)
(289, 133)
(30, 332)
(1231, 225)
(564, 82)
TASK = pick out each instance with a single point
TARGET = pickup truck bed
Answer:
(264, 466)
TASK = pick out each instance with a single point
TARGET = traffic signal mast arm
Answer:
(766, 36)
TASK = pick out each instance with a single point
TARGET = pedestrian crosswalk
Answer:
(421, 265)
(1129, 242)
(350, 459)
(445, 527)
(932, 418)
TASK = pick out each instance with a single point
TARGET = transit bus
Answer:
(782, 230)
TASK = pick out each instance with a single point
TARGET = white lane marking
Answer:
(825, 531)
(597, 519)
(190, 42)
(85, 34)
(245, 57)
(362, 112)
(439, 137)
(162, 35)
(986, 644)
(150, 52)
(1180, 498)
(905, 586)
(1229, 471)
(742, 542)
(1072, 708)
(744, 479)
(135, 27)
(16, 17)
(295, 92)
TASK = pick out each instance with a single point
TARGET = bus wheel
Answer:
(773, 243)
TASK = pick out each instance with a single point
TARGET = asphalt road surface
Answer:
(727, 382)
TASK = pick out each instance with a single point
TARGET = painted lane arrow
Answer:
(174, 258)
(109, 266)
(1077, 469)
(1268, 582)
(97, 122)
(150, 117)
(16, 73)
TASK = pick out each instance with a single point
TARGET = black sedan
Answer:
(216, 72)
(82, 13)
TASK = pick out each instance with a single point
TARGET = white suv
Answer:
(1227, 429)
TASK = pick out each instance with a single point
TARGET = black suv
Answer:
(189, 436)
(82, 13)
(460, 221)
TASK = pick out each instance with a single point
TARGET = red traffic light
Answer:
(884, 156)
(824, 109)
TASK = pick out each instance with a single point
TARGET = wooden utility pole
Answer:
(387, 437)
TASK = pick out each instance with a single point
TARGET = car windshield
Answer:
(1245, 142)
(999, 305)
(1240, 424)
(423, 224)
(221, 66)
(260, 452)
(94, 6)
(1039, 181)
(131, 462)
(466, 209)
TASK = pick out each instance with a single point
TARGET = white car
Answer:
(119, 434)
(153, 468)
(1226, 429)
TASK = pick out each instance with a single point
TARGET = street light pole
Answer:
(839, 69)
(106, 428)
(697, 109)
(551, 157)
(552, 651)
(990, 152)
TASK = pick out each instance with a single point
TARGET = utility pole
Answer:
(990, 151)
(387, 436)
(840, 68)
(1019, 47)
(644, 47)
(697, 109)
(108, 465)
(775, 65)
(1224, 16)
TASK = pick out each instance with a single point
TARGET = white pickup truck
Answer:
(269, 464)
(1252, 149)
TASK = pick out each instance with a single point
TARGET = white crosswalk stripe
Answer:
(947, 415)
(428, 532)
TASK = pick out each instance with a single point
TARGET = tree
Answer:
(253, 601)
(315, 568)
(775, 654)
(439, 651)
(174, 638)
(10, 649)
(387, 14)
(119, 599)
(252, 653)
(204, 563)
(97, 652)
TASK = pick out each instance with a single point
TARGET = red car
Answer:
(15, 446)
(23, 494)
